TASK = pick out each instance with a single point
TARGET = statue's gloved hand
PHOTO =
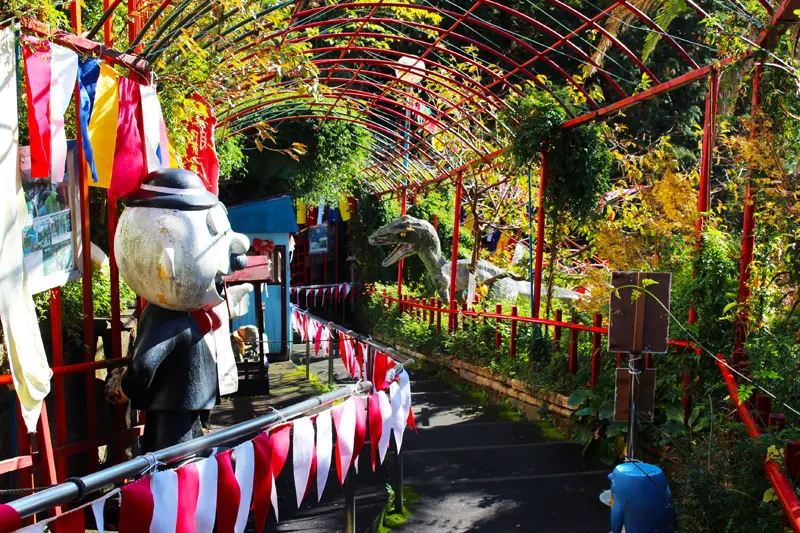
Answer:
(114, 392)
(238, 299)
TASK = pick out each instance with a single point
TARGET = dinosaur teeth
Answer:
(402, 250)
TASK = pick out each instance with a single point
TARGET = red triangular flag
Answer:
(279, 439)
(411, 422)
(10, 520)
(343, 350)
(188, 492)
(128, 170)
(72, 522)
(262, 479)
(375, 426)
(136, 509)
(381, 365)
(361, 430)
(318, 337)
(228, 494)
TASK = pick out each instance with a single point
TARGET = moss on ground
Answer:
(315, 380)
(389, 520)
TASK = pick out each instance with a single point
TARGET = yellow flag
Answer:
(344, 208)
(301, 212)
(103, 125)
(502, 242)
(174, 162)
(468, 224)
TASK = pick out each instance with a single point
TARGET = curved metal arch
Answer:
(292, 98)
(354, 120)
(237, 112)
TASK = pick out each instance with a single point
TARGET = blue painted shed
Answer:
(269, 219)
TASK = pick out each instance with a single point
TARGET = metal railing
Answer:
(78, 488)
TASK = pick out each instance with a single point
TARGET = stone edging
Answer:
(529, 399)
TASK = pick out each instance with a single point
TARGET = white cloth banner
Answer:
(345, 424)
(27, 360)
(386, 419)
(400, 392)
(63, 73)
(302, 455)
(164, 486)
(151, 123)
(245, 468)
(324, 450)
(206, 513)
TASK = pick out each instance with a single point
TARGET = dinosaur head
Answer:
(409, 235)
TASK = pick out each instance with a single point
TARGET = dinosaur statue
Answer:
(414, 236)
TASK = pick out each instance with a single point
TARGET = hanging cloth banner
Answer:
(103, 126)
(36, 55)
(245, 468)
(262, 480)
(301, 212)
(136, 508)
(72, 521)
(279, 440)
(63, 73)
(164, 487)
(88, 74)
(156, 147)
(361, 430)
(385, 407)
(344, 420)
(228, 493)
(128, 168)
(324, 450)
(381, 366)
(344, 208)
(375, 426)
(188, 495)
(201, 152)
(27, 359)
(400, 393)
(302, 455)
(343, 342)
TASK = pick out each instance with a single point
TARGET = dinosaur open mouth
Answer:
(402, 251)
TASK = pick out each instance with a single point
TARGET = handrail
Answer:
(69, 491)
(391, 352)
(783, 488)
(325, 286)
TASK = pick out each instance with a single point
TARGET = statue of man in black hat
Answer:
(174, 245)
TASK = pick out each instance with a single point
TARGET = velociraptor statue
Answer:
(414, 236)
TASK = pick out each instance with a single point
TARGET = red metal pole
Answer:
(498, 309)
(60, 402)
(748, 239)
(537, 272)
(783, 488)
(47, 462)
(454, 255)
(463, 316)
(86, 263)
(436, 222)
(596, 349)
(704, 194)
(438, 316)
(573, 347)
(403, 206)
(512, 341)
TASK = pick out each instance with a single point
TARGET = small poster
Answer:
(50, 234)
(318, 239)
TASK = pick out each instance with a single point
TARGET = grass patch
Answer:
(321, 386)
(389, 520)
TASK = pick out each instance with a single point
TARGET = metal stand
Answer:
(308, 353)
(397, 480)
(333, 352)
(635, 362)
(350, 501)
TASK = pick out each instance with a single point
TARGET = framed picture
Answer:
(51, 234)
(318, 239)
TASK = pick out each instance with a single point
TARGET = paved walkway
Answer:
(479, 468)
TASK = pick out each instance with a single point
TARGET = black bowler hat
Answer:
(173, 188)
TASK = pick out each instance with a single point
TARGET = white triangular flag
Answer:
(400, 392)
(63, 73)
(302, 455)
(245, 468)
(273, 498)
(164, 486)
(324, 450)
(207, 495)
(386, 418)
(344, 419)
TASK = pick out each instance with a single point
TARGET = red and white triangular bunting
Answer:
(302, 455)
(324, 450)
(164, 486)
(245, 468)
(344, 420)
(262, 479)
(385, 407)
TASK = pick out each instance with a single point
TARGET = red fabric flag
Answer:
(10, 520)
(201, 152)
(361, 430)
(262, 479)
(128, 171)
(381, 367)
(72, 522)
(343, 350)
(318, 338)
(279, 440)
(188, 492)
(411, 422)
(136, 509)
(344, 420)
(228, 493)
(37, 86)
(375, 426)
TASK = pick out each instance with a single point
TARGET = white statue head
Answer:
(174, 243)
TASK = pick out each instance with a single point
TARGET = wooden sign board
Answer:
(639, 324)
(645, 403)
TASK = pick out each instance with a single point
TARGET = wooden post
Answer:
(557, 330)
(573, 347)
(512, 341)
(451, 322)
(596, 348)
